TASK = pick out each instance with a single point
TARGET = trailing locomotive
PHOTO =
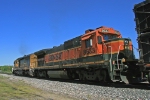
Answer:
(98, 55)
(142, 19)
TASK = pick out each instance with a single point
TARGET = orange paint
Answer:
(92, 43)
(101, 48)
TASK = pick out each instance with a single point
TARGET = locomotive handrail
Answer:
(110, 52)
(106, 46)
(118, 54)
(110, 57)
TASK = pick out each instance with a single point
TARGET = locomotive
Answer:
(99, 54)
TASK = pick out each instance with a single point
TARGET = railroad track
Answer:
(143, 85)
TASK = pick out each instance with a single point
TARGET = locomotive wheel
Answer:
(37, 74)
(80, 77)
(104, 75)
(45, 74)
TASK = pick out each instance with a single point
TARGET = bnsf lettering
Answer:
(51, 57)
(55, 56)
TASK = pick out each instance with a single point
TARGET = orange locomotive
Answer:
(100, 55)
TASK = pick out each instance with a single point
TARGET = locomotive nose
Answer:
(128, 49)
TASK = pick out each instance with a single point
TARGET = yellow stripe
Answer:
(90, 55)
(114, 41)
(97, 62)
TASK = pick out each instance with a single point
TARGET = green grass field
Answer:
(6, 69)
(18, 90)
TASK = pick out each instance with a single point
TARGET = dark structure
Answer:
(142, 19)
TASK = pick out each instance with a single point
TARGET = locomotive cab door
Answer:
(99, 45)
(102, 47)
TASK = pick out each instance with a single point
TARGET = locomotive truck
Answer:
(97, 55)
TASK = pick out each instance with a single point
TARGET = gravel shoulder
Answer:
(82, 91)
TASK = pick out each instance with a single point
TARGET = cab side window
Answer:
(105, 37)
(99, 39)
(109, 36)
(88, 43)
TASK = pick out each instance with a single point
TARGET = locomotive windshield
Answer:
(109, 36)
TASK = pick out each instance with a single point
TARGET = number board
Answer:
(104, 30)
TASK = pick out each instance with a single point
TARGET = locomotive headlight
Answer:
(126, 47)
(126, 41)
(123, 60)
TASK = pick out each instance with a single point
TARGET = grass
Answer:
(17, 90)
(6, 69)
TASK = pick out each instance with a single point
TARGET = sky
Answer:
(27, 26)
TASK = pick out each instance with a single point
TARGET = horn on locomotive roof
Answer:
(88, 30)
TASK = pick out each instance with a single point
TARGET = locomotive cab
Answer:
(107, 42)
(16, 65)
(116, 46)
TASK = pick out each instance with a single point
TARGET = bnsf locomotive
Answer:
(97, 55)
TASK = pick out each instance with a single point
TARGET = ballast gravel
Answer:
(85, 91)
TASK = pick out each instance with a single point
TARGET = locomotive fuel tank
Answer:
(58, 74)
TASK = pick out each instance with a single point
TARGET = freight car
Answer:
(142, 19)
(97, 55)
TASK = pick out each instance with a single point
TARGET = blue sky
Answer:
(27, 26)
